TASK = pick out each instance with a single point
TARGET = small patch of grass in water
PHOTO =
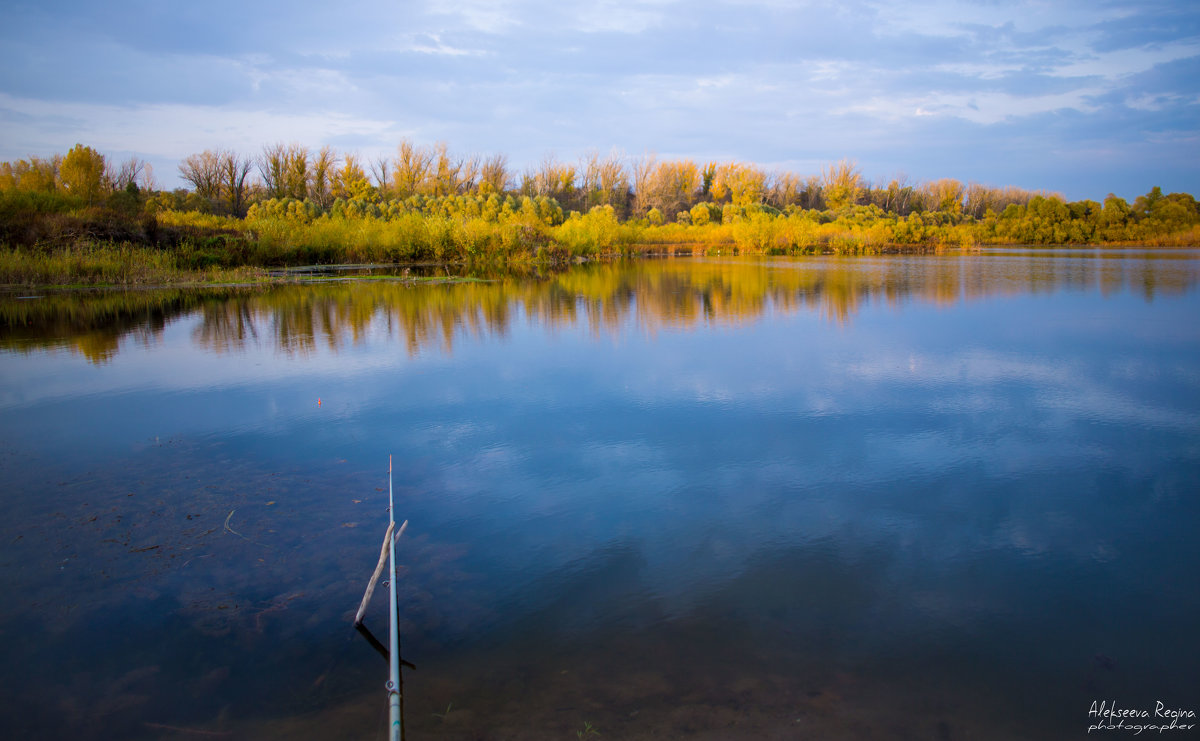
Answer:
(385, 278)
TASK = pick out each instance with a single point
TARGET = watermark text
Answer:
(1107, 715)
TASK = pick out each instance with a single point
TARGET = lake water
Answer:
(941, 497)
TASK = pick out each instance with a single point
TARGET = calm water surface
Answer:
(949, 497)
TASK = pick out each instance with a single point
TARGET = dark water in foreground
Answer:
(943, 497)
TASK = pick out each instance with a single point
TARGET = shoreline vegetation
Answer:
(78, 219)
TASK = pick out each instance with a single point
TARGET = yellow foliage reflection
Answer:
(646, 295)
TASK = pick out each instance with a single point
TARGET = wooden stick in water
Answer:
(383, 554)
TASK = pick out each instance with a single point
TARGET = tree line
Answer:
(226, 182)
(645, 186)
(291, 181)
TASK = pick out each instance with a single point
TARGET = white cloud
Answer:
(1152, 102)
(621, 17)
(963, 18)
(432, 44)
(170, 129)
(489, 16)
(306, 82)
(981, 108)
(1123, 63)
(979, 70)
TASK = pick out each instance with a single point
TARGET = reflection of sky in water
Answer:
(925, 480)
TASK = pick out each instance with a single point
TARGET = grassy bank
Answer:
(108, 264)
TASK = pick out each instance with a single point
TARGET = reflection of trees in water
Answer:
(608, 297)
(226, 325)
(93, 323)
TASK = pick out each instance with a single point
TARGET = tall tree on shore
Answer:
(219, 177)
(841, 184)
(273, 169)
(898, 197)
(469, 173)
(82, 173)
(614, 182)
(349, 181)
(320, 182)
(784, 189)
(128, 172)
(445, 174)
(642, 168)
(553, 179)
(742, 184)
(204, 172)
(381, 170)
(672, 186)
(493, 175)
(298, 175)
(411, 168)
(284, 170)
(604, 181)
(945, 195)
(707, 176)
(234, 170)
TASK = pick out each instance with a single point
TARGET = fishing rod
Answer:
(395, 698)
(395, 686)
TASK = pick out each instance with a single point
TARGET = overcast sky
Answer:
(1084, 97)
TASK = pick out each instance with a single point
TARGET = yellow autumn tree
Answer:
(841, 184)
(82, 173)
(350, 181)
(320, 180)
(741, 183)
(410, 169)
(33, 175)
(945, 195)
(493, 175)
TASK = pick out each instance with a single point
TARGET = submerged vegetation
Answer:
(78, 218)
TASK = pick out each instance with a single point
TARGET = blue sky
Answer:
(1080, 97)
